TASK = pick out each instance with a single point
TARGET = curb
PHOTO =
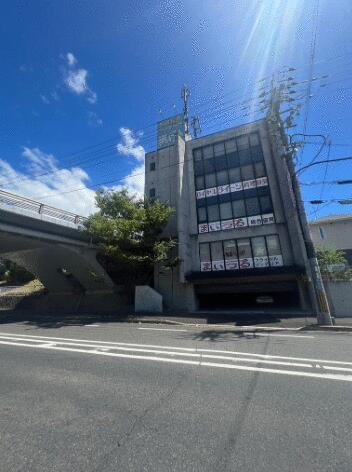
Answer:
(239, 328)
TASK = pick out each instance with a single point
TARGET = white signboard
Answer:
(276, 261)
(246, 263)
(247, 184)
(205, 266)
(254, 220)
(218, 265)
(268, 218)
(211, 192)
(227, 224)
(261, 261)
(203, 228)
(200, 194)
(262, 182)
(240, 223)
(232, 264)
(215, 226)
(223, 189)
(236, 187)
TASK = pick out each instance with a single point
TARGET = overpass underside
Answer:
(73, 279)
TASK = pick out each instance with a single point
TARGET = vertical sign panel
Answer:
(169, 129)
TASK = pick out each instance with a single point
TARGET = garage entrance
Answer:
(259, 297)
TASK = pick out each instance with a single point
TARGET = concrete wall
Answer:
(147, 300)
(336, 234)
(340, 298)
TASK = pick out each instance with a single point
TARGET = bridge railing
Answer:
(23, 205)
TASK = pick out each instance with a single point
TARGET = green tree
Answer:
(327, 257)
(14, 274)
(128, 231)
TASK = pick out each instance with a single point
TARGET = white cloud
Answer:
(94, 120)
(71, 59)
(45, 182)
(76, 79)
(129, 146)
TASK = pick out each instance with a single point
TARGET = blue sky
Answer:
(75, 74)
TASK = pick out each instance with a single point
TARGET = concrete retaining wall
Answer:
(147, 300)
(340, 298)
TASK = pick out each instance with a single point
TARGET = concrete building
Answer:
(334, 232)
(235, 221)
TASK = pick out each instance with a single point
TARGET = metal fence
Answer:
(12, 202)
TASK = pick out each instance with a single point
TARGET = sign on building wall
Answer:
(168, 129)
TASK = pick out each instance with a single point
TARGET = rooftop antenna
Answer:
(195, 123)
(185, 93)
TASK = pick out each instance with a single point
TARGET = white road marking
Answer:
(165, 329)
(174, 348)
(155, 351)
(200, 363)
(283, 335)
(92, 325)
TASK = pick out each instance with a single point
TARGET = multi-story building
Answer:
(235, 221)
(333, 232)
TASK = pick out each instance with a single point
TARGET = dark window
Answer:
(210, 181)
(225, 211)
(213, 213)
(252, 205)
(247, 172)
(259, 247)
(265, 204)
(222, 177)
(201, 202)
(209, 165)
(235, 175)
(151, 192)
(197, 153)
(152, 166)
(238, 208)
(257, 154)
(226, 197)
(208, 152)
(217, 253)
(211, 200)
(202, 215)
(204, 252)
(259, 169)
(231, 153)
(244, 248)
(273, 244)
(250, 192)
(230, 249)
(243, 150)
(200, 182)
(198, 168)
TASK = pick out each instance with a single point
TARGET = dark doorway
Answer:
(250, 300)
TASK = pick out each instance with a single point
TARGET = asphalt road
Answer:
(125, 397)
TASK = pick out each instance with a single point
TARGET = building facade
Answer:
(333, 232)
(235, 221)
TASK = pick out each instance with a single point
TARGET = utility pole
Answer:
(185, 93)
(276, 123)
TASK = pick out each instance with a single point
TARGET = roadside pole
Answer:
(321, 302)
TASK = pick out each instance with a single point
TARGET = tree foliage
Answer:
(328, 257)
(14, 274)
(128, 232)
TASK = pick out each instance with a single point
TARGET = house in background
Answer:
(333, 232)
